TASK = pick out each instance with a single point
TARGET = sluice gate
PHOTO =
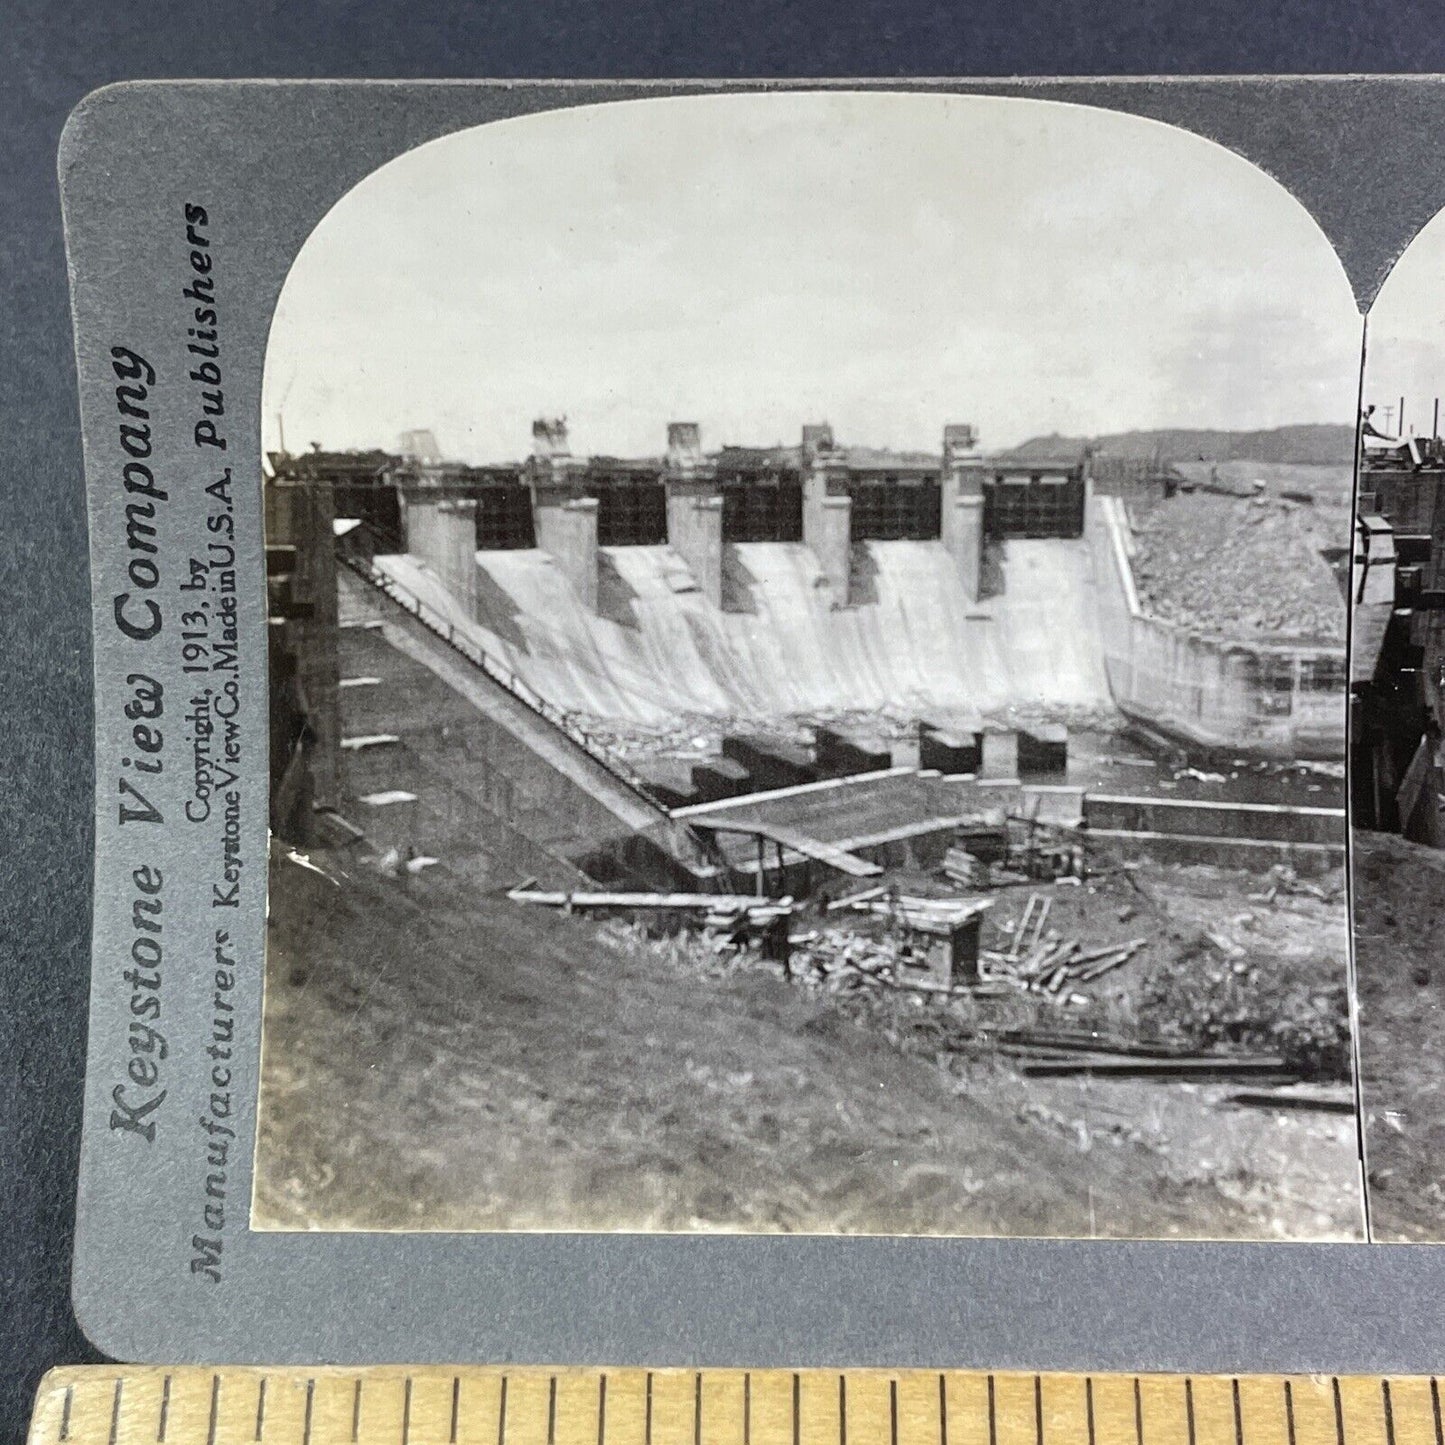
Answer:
(896, 509)
(762, 509)
(631, 507)
(1033, 504)
(504, 518)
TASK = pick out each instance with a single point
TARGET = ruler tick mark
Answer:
(75, 1411)
(115, 1411)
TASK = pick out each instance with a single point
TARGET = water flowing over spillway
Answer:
(910, 640)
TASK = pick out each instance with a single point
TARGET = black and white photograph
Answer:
(808, 685)
(1397, 747)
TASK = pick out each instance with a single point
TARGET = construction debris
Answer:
(925, 965)
(734, 918)
(727, 904)
(1318, 1100)
(963, 869)
(1191, 1066)
(879, 978)
(853, 899)
(1239, 566)
(1052, 962)
(1016, 848)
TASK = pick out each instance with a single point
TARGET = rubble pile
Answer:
(866, 973)
(873, 949)
(697, 736)
(1038, 960)
(1236, 566)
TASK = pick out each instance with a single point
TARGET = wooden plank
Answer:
(814, 848)
(705, 902)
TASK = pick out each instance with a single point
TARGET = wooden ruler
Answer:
(396, 1405)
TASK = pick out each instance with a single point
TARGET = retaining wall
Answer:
(1225, 695)
(1193, 817)
(481, 751)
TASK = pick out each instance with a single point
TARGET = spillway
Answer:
(909, 642)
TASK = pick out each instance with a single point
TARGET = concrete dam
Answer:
(876, 628)
(655, 648)
(759, 583)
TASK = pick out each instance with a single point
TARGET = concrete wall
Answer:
(1410, 500)
(832, 542)
(486, 772)
(567, 531)
(299, 514)
(999, 755)
(1209, 692)
(961, 526)
(1204, 818)
(962, 505)
(828, 530)
(827, 509)
(694, 531)
(443, 533)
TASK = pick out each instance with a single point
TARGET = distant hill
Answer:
(1319, 444)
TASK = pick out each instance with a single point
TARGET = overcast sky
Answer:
(1405, 346)
(887, 263)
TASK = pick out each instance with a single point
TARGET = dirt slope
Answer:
(1399, 902)
(438, 1066)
